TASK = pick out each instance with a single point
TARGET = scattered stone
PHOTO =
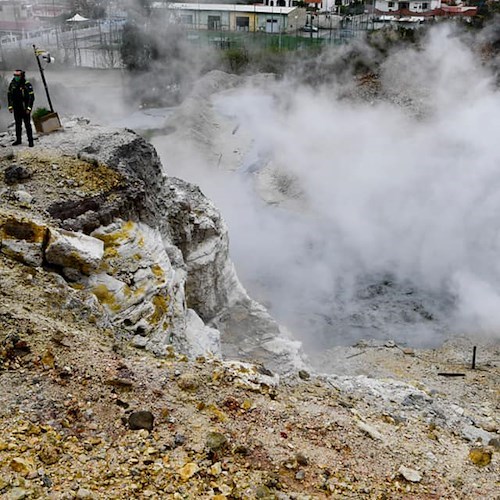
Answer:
(139, 341)
(371, 431)
(241, 450)
(83, 493)
(179, 439)
(263, 491)
(49, 455)
(120, 382)
(216, 441)
(188, 470)
(20, 465)
(23, 198)
(22, 239)
(216, 469)
(495, 443)
(188, 382)
(410, 474)
(304, 375)
(141, 420)
(300, 475)
(301, 459)
(17, 494)
(480, 456)
(16, 173)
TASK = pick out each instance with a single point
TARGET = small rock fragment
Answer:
(17, 494)
(83, 493)
(188, 470)
(216, 441)
(49, 455)
(139, 341)
(301, 459)
(141, 420)
(188, 382)
(371, 431)
(16, 173)
(304, 375)
(480, 456)
(300, 475)
(20, 465)
(23, 198)
(410, 474)
(263, 492)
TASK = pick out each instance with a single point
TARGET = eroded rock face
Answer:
(152, 248)
(138, 286)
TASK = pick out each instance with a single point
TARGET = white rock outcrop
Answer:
(152, 249)
(74, 251)
(22, 238)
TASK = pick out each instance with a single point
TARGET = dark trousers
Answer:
(21, 116)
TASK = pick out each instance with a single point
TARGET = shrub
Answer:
(39, 112)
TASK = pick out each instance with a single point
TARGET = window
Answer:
(187, 18)
(213, 23)
(425, 6)
(242, 23)
(391, 4)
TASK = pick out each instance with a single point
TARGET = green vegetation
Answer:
(39, 112)
(237, 59)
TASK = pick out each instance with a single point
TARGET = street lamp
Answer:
(49, 59)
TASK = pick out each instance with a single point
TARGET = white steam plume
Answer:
(401, 235)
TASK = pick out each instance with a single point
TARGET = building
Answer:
(411, 10)
(16, 20)
(409, 6)
(235, 17)
(50, 11)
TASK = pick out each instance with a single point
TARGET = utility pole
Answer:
(37, 55)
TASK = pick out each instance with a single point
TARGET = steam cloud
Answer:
(396, 233)
(400, 236)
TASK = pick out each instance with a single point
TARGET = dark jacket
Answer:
(21, 95)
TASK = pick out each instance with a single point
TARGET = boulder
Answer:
(22, 239)
(74, 250)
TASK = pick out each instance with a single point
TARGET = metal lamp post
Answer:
(38, 53)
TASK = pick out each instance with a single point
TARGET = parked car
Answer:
(309, 28)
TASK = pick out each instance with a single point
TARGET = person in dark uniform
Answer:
(21, 98)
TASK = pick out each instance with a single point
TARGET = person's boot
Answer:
(16, 142)
(30, 144)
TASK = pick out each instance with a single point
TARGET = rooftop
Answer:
(257, 8)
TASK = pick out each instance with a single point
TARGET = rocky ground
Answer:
(87, 415)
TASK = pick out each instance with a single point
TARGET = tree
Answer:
(93, 9)
(137, 49)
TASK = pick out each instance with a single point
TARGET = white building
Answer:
(416, 6)
(233, 17)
